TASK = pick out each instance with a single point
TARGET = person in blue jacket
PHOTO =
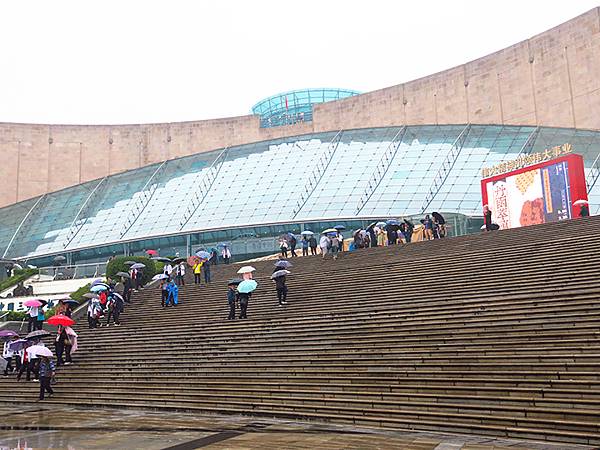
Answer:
(173, 293)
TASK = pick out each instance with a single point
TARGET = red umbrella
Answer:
(193, 260)
(60, 319)
(151, 252)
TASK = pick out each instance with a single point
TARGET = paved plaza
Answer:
(45, 427)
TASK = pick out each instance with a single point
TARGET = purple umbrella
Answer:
(18, 345)
(7, 333)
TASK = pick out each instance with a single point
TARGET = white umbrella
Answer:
(246, 269)
(482, 227)
(580, 202)
(160, 276)
(39, 350)
(138, 266)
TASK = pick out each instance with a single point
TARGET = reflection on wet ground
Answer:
(47, 427)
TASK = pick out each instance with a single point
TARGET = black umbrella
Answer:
(439, 218)
(340, 227)
(179, 260)
(71, 302)
(123, 274)
(38, 334)
(235, 281)
(161, 259)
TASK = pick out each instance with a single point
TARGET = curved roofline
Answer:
(296, 91)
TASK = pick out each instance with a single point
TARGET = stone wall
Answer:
(551, 79)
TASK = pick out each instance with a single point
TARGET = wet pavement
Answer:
(47, 427)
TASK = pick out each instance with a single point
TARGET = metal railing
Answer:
(91, 270)
(529, 143)
(593, 174)
(445, 168)
(381, 169)
(205, 184)
(317, 173)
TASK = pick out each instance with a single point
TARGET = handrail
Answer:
(74, 228)
(381, 168)
(21, 225)
(530, 142)
(447, 165)
(213, 170)
(594, 173)
(317, 174)
(132, 215)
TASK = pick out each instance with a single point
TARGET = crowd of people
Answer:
(29, 356)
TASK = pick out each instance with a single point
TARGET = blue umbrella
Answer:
(98, 288)
(392, 222)
(307, 233)
(340, 227)
(203, 254)
(247, 286)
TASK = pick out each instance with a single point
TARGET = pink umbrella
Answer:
(32, 302)
(151, 252)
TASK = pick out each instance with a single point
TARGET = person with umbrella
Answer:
(180, 274)
(231, 297)
(173, 293)
(39, 322)
(164, 291)
(441, 223)
(487, 218)
(336, 242)
(428, 226)
(280, 286)
(214, 257)
(325, 244)
(62, 345)
(283, 246)
(584, 209)
(304, 243)
(94, 311)
(168, 269)
(32, 314)
(206, 271)
(127, 288)
(312, 243)
(8, 354)
(245, 289)
(47, 370)
(293, 243)
(226, 254)
(197, 268)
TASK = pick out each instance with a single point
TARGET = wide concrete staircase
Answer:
(494, 334)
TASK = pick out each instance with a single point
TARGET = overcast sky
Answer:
(125, 61)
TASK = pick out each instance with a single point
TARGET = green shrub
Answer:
(14, 316)
(19, 275)
(78, 294)
(118, 265)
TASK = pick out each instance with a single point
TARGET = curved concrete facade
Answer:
(551, 80)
